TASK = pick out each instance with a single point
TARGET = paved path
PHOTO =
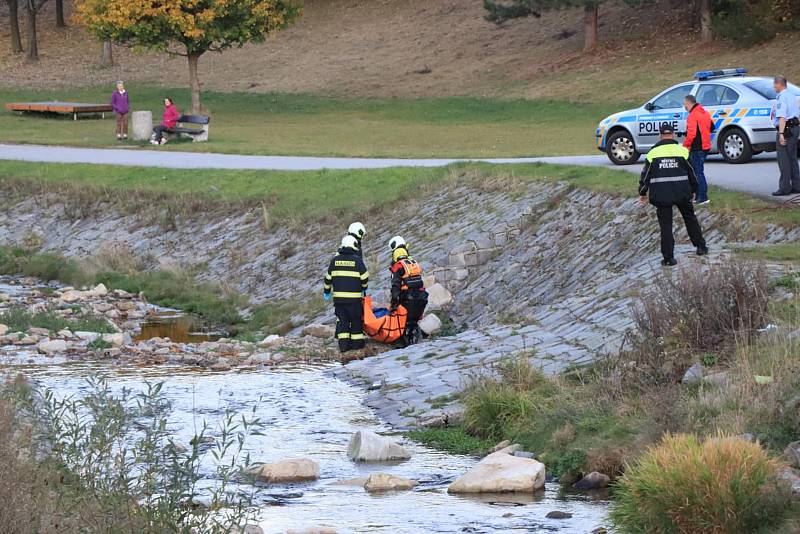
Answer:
(759, 177)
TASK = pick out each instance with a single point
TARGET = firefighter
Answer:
(408, 288)
(668, 180)
(346, 283)
(358, 231)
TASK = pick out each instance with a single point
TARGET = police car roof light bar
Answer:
(719, 73)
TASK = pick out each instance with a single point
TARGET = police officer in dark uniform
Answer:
(346, 282)
(668, 180)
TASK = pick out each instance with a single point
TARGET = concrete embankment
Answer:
(530, 266)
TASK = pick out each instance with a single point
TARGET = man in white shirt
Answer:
(786, 118)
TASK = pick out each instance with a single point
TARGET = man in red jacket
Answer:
(699, 127)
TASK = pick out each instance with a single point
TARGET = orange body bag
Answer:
(386, 329)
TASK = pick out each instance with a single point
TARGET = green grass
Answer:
(328, 194)
(209, 302)
(99, 343)
(789, 252)
(453, 439)
(20, 320)
(559, 421)
(297, 124)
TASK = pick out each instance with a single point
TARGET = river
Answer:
(308, 413)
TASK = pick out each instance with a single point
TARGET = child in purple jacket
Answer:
(121, 106)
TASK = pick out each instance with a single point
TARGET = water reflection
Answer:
(178, 328)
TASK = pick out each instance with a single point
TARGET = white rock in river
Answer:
(117, 339)
(501, 472)
(99, 290)
(86, 336)
(54, 346)
(386, 482)
(72, 295)
(321, 331)
(366, 446)
(289, 470)
(271, 341)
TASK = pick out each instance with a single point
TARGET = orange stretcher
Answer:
(386, 328)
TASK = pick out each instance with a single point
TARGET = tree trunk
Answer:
(60, 14)
(194, 82)
(107, 56)
(706, 33)
(590, 12)
(13, 14)
(33, 48)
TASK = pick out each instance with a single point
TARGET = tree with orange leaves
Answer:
(187, 28)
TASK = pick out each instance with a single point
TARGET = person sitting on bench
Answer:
(168, 122)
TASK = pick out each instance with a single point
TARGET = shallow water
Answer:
(312, 415)
(175, 326)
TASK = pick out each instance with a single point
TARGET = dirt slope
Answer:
(417, 48)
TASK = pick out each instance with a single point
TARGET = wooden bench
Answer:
(71, 108)
(195, 126)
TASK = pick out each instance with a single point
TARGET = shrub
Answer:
(107, 463)
(453, 439)
(720, 485)
(502, 402)
(702, 309)
(745, 22)
(20, 320)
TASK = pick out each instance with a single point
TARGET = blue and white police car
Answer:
(739, 104)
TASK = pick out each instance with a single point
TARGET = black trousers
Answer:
(664, 214)
(349, 325)
(787, 161)
(159, 131)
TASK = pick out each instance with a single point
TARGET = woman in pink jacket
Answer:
(168, 122)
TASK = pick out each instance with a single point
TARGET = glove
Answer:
(364, 293)
(326, 296)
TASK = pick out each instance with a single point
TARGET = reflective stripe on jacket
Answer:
(406, 276)
(347, 277)
(667, 176)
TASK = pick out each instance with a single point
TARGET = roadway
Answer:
(759, 177)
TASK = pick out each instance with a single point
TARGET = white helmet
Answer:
(396, 241)
(349, 241)
(357, 229)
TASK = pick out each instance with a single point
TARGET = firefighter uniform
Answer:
(408, 289)
(346, 280)
(669, 180)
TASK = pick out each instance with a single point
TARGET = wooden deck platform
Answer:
(71, 108)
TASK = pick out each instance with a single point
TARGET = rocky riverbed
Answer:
(98, 323)
(318, 476)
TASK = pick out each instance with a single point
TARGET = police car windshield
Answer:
(765, 88)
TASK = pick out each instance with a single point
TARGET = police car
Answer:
(739, 104)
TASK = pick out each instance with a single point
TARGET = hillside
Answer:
(418, 48)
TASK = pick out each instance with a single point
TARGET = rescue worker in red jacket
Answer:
(408, 288)
(699, 127)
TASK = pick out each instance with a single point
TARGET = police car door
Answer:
(719, 100)
(665, 108)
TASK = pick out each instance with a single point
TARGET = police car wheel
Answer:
(621, 150)
(735, 147)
